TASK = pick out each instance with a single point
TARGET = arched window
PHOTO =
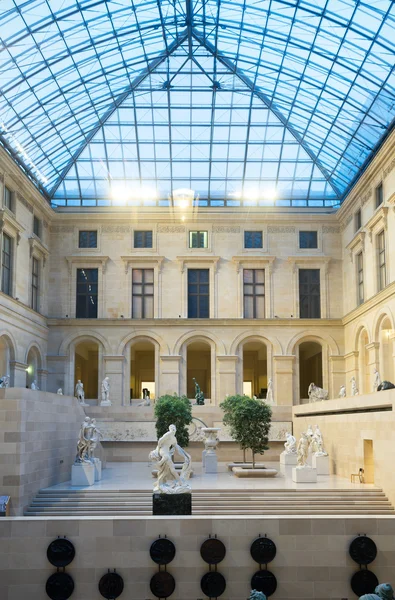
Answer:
(142, 369)
(86, 367)
(386, 366)
(255, 369)
(310, 368)
(33, 366)
(199, 367)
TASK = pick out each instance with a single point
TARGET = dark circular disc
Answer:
(162, 551)
(213, 584)
(263, 550)
(264, 581)
(212, 551)
(162, 584)
(59, 586)
(111, 586)
(363, 550)
(60, 552)
(364, 582)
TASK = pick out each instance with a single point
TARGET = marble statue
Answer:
(342, 391)
(105, 392)
(94, 438)
(317, 393)
(290, 444)
(168, 480)
(34, 385)
(376, 380)
(303, 450)
(83, 444)
(269, 394)
(370, 597)
(317, 443)
(199, 395)
(80, 393)
(385, 385)
(5, 381)
(60, 392)
(257, 595)
(354, 389)
(310, 432)
(146, 400)
(385, 591)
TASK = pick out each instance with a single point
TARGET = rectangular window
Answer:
(198, 294)
(6, 265)
(198, 239)
(253, 239)
(379, 195)
(143, 239)
(308, 239)
(36, 226)
(360, 278)
(35, 282)
(8, 198)
(254, 293)
(87, 288)
(381, 260)
(309, 293)
(358, 220)
(87, 239)
(143, 293)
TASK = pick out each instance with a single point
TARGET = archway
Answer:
(142, 369)
(386, 366)
(365, 378)
(310, 368)
(7, 355)
(33, 365)
(255, 369)
(86, 367)
(199, 367)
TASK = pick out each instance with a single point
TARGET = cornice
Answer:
(250, 259)
(7, 219)
(383, 295)
(87, 260)
(193, 259)
(37, 246)
(140, 260)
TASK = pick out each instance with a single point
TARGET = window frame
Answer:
(37, 226)
(10, 267)
(381, 253)
(254, 295)
(308, 231)
(198, 295)
(8, 192)
(144, 295)
(136, 232)
(319, 316)
(198, 232)
(86, 294)
(88, 231)
(252, 231)
(379, 195)
(359, 265)
(357, 220)
(35, 285)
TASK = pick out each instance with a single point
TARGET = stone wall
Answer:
(38, 435)
(312, 561)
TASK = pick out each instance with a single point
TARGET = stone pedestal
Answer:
(172, 504)
(82, 474)
(288, 459)
(105, 403)
(321, 463)
(211, 463)
(98, 468)
(304, 475)
(204, 458)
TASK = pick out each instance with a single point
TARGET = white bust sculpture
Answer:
(303, 451)
(105, 392)
(34, 385)
(376, 380)
(168, 480)
(60, 392)
(318, 443)
(354, 388)
(269, 394)
(342, 391)
(290, 444)
(5, 381)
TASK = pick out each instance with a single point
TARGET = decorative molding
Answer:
(330, 229)
(37, 246)
(141, 260)
(279, 229)
(87, 260)
(61, 228)
(25, 203)
(357, 244)
(171, 228)
(366, 197)
(346, 222)
(116, 229)
(194, 259)
(388, 170)
(261, 261)
(45, 224)
(1, 177)
(379, 218)
(378, 299)
(8, 221)
(220, 229)
(391, 201)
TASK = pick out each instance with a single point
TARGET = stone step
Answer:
(93, 501)
(288, 512)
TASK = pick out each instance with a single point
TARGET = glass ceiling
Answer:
(248, 101)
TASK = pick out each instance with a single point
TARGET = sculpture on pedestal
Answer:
(199, 395)
(80, 393)
(105, 392)
(5, 381)
(385, 385)
(317, 443)
(60, 392)
(342, 392)
(269, 393)
(354, 388)
(168, 480)
(290, 444)
(34, 385)
(317, 393)
(146, 398)
(94, 438)
(376, 380)
(88, 439)
(303, 451)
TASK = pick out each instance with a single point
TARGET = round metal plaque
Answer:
(111, 586)
(263, 550)
(60, 552)
(364, 582)
(212, 551)
(264, 581)
(162, 551)
(363, 550)
(162, 584)
(213, 584)
(59, 586)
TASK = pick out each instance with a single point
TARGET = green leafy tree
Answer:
(228, 406)
(175, 410)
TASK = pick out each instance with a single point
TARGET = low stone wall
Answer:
(345, 424)
(312, 560)
(38, 435)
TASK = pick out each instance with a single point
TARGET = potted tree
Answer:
(229, 406)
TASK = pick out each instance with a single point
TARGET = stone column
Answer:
(113, 368)
(337, 375)
(170, 374)
(392, 337)
(19, 370)
(42, 375)
(283, 371)
(373, 363)
(227, 366)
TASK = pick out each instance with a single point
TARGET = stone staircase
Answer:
(130, 503)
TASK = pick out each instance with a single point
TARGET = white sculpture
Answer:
(317, 393)
(376, 380)
(34, 385)
(80, 393)
(94, 438)
(105, 392)
(354, 389)
(146, 400)
(342, 392)
(168, 480)
(290, 444)
(5, 381)
(317, 443)
(60, 392)
(88, 439)
(269, 393)
(303, 451)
